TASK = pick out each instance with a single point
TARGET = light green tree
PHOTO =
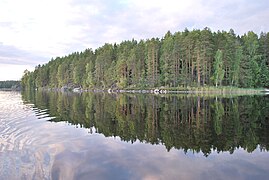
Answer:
(218, 68)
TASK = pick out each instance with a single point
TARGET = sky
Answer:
(33, 32)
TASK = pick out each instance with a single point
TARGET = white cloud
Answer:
(37, 25)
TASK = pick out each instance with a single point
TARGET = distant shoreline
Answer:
(9, 89)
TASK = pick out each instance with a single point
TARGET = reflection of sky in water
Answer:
(109, 158)
(97, 157)
(33, 148)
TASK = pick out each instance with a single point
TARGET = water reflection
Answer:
(128, 137)
(198, 124)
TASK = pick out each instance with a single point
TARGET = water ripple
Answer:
(14, 121)
(28, 140)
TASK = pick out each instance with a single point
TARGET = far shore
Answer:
(9, 89)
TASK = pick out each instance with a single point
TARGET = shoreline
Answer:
(190, 90)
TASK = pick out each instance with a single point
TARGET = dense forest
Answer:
(197, 58)
(10, 84)
(196, 123)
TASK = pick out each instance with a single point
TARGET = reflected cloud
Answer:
(144, 161)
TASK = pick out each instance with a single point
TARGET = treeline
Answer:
(190, 58)
(10, 84)
(199, 124)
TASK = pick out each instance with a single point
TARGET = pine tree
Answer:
(152, 62)
(167, 63)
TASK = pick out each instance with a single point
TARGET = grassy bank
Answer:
(202, 90)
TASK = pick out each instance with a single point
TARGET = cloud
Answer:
(16, 56)
(242, 16)
(103, 21)
(37, 25)
(13, 61)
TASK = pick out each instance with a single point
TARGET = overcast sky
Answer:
(34, 31)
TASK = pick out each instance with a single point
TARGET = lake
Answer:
(53, 135)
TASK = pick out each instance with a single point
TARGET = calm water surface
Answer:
(103, 136)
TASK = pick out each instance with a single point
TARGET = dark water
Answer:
(103, 136)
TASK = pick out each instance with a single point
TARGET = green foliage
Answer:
(198, 58)
(152, 62)
(167, 61)
(10, 84)
(235, 66)
(218, 68)
(89, 76)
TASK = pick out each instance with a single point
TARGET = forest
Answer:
(9, 84)
(196, 58)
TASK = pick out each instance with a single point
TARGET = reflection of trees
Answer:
(218, 111)
(181, 122)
